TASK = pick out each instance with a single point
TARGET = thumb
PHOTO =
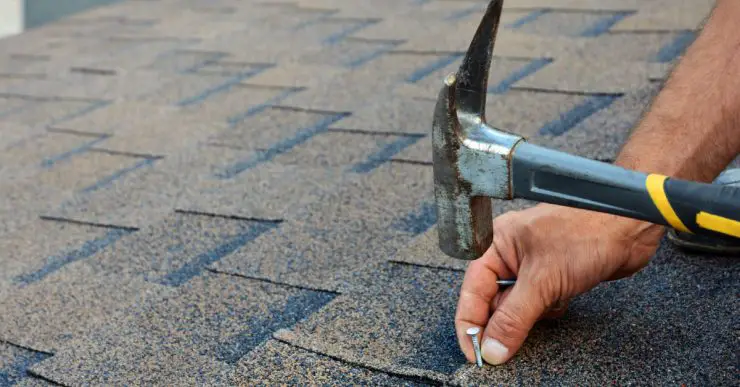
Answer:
(511, 322)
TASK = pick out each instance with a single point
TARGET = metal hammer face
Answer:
(472, 161)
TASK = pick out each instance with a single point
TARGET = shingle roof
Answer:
(240, 192)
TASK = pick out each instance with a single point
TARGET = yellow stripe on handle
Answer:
(655, 187)
(718, 223)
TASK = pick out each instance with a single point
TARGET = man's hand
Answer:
(555, 253)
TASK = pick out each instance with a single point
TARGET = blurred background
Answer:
(18, 15)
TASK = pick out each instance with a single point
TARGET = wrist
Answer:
(612, 226)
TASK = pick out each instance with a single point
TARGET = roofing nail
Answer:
(473, 333)
(508, 282)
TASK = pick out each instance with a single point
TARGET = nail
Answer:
(494, 352)
(506, 282)
(473, 333)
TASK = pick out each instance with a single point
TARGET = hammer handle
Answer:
(690, 207)
(545, 175)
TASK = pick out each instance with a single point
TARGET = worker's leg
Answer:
(699, 243)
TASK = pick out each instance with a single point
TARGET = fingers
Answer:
(511, 322)
(473, 308)
(476, 297)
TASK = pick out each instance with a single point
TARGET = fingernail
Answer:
(494, 352)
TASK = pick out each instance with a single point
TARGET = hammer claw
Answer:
(472, 76)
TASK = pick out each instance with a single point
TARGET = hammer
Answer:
(475, 162)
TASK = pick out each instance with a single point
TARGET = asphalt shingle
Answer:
(221, 318)
(275, 362)
(68, 303)
(15, 362)
(42, 247)
(241, 192)
(401, 323)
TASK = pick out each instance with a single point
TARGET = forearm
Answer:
(692, 130)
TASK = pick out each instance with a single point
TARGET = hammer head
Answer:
(472, 160)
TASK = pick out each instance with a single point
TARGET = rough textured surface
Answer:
(221, 318)
(278, 363)
(241, 193)
(14, 363)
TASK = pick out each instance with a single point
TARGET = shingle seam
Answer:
(222, 87)
(48, 98)
(23, 76)
(459, 14)
(429, 266)
(226, 216)
(530, 89)
(306, 110)
(312, 20)
(578, 113)
(529, 18)
(116, 175)
(385, 153)
(591, 11)
(92, 71)
(258, 108)
(346, 32)
(85, 223)
(95, 105)
(270, 281)
(605, 24)
(27, 348)
(649, 31)
(51, 161)
(374, 132)
(413, 162)
(56, 262)
(439, 64)
(195, 266)
(282, 146)
(75, 132)
(126, 154)
(417, 379)
(528, 69)
(22, 364)
(361, 60)
(33, 374)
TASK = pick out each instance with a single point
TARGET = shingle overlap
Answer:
(241, 192)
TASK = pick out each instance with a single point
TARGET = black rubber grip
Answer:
(709, 209)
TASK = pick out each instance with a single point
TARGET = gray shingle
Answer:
(15, 362)
(324, 256)
(212, 211)
(356, 151)
(392, 115)
(67, 304)
(402, 323)
(221, 319)
(41, 247)
(275, 362)
(269, 191)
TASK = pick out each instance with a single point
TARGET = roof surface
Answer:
(240, 192)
